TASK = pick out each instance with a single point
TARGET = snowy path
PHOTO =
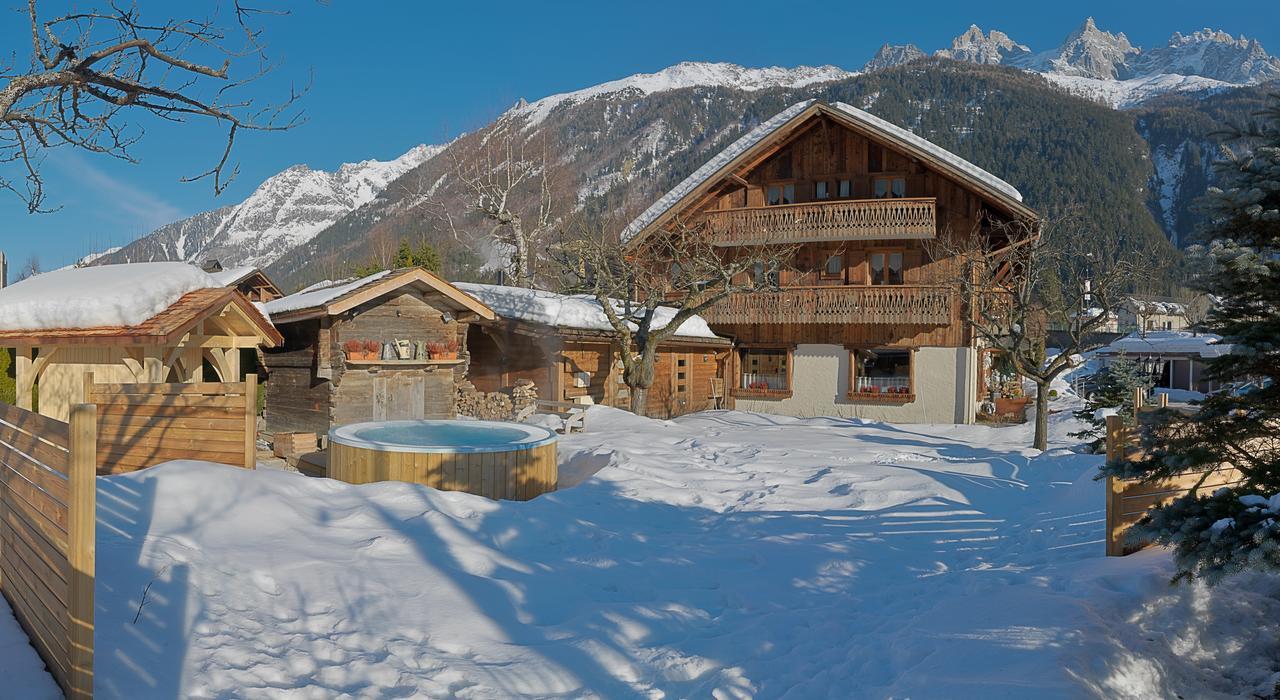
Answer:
(722, 554)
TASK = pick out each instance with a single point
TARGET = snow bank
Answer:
(1171, 342)
(568, 311)
(91, 297)
(721, 554)
(319, 294)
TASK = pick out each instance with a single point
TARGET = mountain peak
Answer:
(975, 47)
(891, 55)
(1088, 52)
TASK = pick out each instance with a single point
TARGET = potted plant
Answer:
(447, 350)
(354, 349)
(1009, 399)
(372, 349)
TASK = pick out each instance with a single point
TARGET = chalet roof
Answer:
(236, 275)
(328, 298)
(570, 312)
(760, 137)
(1205, 345)
(164, 328)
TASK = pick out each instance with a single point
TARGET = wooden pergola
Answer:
(173, 346)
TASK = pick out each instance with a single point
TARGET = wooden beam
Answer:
(82, 479)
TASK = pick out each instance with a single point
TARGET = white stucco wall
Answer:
(945, 386)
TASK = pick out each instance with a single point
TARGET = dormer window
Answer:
(781, 194)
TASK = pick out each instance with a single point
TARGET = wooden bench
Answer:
(571, 414)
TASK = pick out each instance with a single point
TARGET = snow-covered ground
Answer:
(22, 673)
(722, 554)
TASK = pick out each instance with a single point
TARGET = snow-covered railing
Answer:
(904, 304)
(48, 506)
(842, 220)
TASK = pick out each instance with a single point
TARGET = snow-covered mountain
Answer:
(285, 211)
(890, 55)
(1109, 68)
(685, 75)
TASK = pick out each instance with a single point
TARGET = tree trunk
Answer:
(639, 398)
(1041, 439)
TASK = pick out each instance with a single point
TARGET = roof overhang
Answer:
(417, 278)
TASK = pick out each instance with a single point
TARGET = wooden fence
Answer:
(141, 425)
(47, 514)
(1128, 500)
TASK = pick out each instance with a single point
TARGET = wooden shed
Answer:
(250, 281)
(142, 322)
(563, 345)
(312, 385)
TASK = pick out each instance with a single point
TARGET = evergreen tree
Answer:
(1235, 527)
(424, 256)
(1113, 390)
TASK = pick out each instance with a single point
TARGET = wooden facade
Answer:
(859, 202)
(312, 385)
(583, 367)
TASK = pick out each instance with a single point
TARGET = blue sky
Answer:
(390, 75)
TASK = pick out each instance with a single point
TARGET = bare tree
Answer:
(509, 184)
(648, 292)
(1023, 278)
(30, 268)
(94, 70)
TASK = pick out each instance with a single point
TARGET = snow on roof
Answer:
(771, 125)
(232, 275)
(98, 297)
(577, 311)
(319, 294)
(1170, 342)
(1151, 306)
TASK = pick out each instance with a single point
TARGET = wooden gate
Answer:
(399, 396)
(1128, 500)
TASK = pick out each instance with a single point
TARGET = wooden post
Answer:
(1162, 400)
(82, 478)
(1139, 399)
(24, 376)
(251, 421)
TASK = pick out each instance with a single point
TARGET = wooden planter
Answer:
(1012, 408)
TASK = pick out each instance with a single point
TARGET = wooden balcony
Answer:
(842, 220)
(917, 305)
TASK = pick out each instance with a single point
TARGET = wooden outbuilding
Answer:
(250, 281)
(563, 345)
(196, 335)
(313, 385)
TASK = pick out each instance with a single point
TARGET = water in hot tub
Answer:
(444, 434)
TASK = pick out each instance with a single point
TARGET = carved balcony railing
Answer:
(843, 220)
(917, 305)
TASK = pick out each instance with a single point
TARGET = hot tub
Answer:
(488, 458)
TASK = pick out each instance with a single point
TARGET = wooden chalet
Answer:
(865, 323)
(250, 281)
(313, 385)
(563, 345)
(197, 337)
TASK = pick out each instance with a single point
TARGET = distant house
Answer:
(1153, 314)
(140, 322)
(313, 384)
(1175, 359)
(250, 281)
(866, 323)
(566, 347)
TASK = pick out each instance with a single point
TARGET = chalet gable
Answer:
(728, 168)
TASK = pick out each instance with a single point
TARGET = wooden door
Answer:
(681, 382)
(399, 397)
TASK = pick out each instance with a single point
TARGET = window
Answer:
(834, 267)
(845, 189)
(875, 158)
(886, 267)
(883, 375)
(821, 190)
(890, 187)
(764, 371)
(782, 194)
(764, 276)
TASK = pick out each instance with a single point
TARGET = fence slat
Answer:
(81, 547)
